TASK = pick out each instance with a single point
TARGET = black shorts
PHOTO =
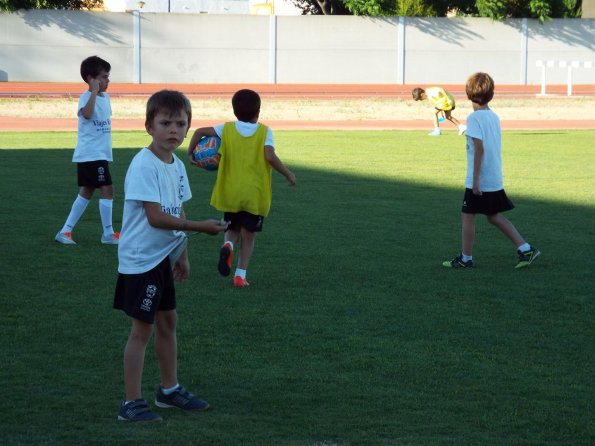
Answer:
(243, 219)
(488, 203)
(93, 174)
(439, 109)
(140, 296)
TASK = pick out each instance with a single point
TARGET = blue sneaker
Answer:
(435, 133)
(137, 410)
(181, 398)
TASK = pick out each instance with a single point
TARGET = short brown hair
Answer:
(246, 105)
(168, 100)
(480, 88)
(417, 92)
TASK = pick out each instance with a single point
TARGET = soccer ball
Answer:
(206, 152)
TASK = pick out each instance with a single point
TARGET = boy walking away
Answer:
(484, 192)
(443, 102)
(243, 189)
(152, 254)
(93, 152)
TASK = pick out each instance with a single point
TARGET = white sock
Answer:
(78, 207)
(240, 273)
(466, 258)
(524, 247)
(170, 390)
(105, 211)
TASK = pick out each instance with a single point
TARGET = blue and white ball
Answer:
(206, 152)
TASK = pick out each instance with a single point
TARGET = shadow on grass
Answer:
(351, 333)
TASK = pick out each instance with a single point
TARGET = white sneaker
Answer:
(110, 239)
(65, 238)
(462, 129)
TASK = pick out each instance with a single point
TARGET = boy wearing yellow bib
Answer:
(443, 102)
(243, 189)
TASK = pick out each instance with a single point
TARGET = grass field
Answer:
(351, 333)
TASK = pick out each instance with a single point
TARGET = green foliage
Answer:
(495, 9)
(14, 5)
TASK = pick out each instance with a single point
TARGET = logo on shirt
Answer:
(181, 188)
(148, 300)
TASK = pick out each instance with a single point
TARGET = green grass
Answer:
(352, 333)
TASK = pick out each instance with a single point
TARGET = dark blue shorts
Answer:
(488, 203)
(93, 174)
(140, 296)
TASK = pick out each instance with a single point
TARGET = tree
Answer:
(495, 9)
(13, 5)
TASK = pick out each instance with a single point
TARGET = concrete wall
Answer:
(207, 48)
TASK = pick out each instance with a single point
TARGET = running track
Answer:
(278, 91)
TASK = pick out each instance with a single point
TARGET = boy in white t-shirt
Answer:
(152, 254)
(484, 185)
(93, 152)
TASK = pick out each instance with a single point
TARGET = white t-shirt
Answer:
(142, 246)
(94, 137)
(247, 129)
(485, 125)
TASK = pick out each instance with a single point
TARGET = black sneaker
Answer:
(526, 258)
(458, 262)
(137, 410)
(181, 398)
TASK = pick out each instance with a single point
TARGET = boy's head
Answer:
(169, 102)
(419, 94)
(480, 88)
(246, 105)
(93, 66)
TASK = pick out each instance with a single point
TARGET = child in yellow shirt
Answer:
(443, 102)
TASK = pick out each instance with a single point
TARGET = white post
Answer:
(541, 63)
(136, 67)
(401, 51)
(273, 49)
(569, 81)
(524, 50)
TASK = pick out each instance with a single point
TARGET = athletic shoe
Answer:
(435, 133)
(65, 238)
(137, 410)
(462, 129)
(240, 281)
(458, 262)
(526, 258)
(110, 239)
(181, 398)
(225, 258)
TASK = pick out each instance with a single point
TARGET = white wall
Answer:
(230, 48)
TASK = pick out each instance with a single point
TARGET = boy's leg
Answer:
(134, 358)
(166, 347)
(507, 228)
(76, 211)
(230, 238)
(247, 238)
(468, 233)
(109, 237)
(436, 131)
(455, 121)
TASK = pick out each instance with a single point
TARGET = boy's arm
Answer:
(197, 136)
(87, 110)
(477, 159)
(277, 164)
(159, 219)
